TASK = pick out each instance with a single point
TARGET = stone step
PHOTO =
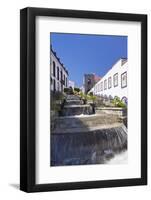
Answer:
(73, 102)
(93, 129)
(76, 106)
(72, 97)
(85, 121)
(72, 110)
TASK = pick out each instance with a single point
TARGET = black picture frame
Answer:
(28, 99)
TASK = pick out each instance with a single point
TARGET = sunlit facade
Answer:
(59, 74)
(114, 83)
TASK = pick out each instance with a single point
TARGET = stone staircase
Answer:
(74, 106)
(66, 124)
(79, 137)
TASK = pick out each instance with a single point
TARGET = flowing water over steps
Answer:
(86, 139)
(84, 121)
(74, 106)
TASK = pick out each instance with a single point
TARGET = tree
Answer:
(77, 89)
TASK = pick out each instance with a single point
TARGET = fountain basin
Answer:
(80, 137)
(91, 147)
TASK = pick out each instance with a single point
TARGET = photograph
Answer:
(88, 99)
(83, 102)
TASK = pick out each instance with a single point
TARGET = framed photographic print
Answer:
(83, 99)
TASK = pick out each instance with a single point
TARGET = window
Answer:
(125, 100)
(54, 85)
(124, 80)
(58, 88)
(99, 87)
(64, 79)
(89, 81)
(105, 84)
(115, 79)
(54, 69)
(61, 75)
(102, 86)
(58, 73)
(109, 82)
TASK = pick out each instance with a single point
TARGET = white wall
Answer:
(9, 100)
(64, 73)
(118, 69)
(71, 84)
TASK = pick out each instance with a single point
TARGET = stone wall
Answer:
(121, 112)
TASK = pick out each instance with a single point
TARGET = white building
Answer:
(82, 89)
(114, 83)
(71, 84)
(59, 74)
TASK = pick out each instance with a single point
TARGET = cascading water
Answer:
(74, 106)
(85, 139)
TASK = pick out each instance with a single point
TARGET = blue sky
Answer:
(82, 54)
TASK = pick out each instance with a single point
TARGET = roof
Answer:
(55, 54)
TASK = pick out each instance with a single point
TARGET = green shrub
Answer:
(77, 89)
(81, 94)
(87, 97)
(68, 90)
(91, 97)
(57, 95)
(118, 103)
(56, 100)
(91, 93)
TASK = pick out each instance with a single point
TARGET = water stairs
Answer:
(81, 137)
